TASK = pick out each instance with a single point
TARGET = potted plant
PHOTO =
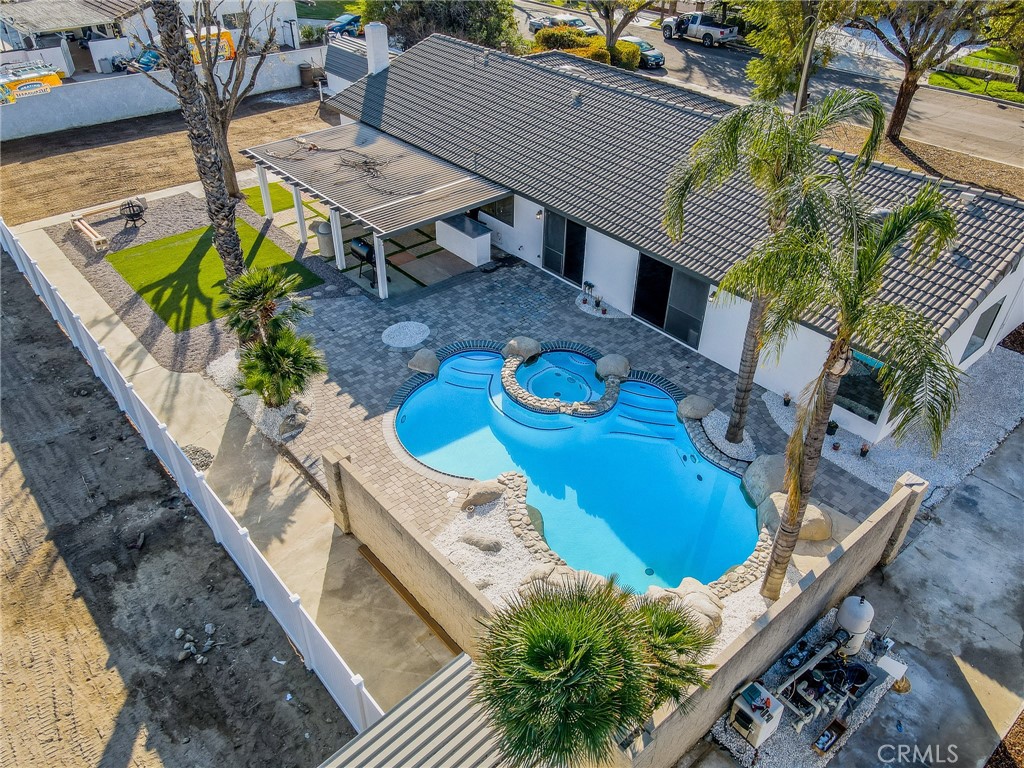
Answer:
(864, 448)
(786, 399)
(604, 310)
(836, 446)
(832, 427)
(597, 302)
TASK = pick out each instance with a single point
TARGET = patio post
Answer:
(382, 266)
(268, 208)
(339, 241)
(300, 216)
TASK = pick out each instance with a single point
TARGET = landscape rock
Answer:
(817, 524)
(293, 422)
(483, 492)
(200, 660)
(765, 476)
(200, 457)
(699, 603)
(694, 407)
(425, 361)
(210, 629)
(481, 542)
(522, 346)
(183, 655)
(612, 365)
(179, 633)
(302, 407)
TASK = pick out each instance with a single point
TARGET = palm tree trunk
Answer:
(837, 365)
(748, 367)
(219, 204)
(909, 86)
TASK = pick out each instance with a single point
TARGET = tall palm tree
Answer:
(259, 303)
(220, 206)
(566, 672)
(776, 152)
(279, 368)
(917, 375)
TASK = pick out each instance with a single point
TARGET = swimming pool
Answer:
(625, 492)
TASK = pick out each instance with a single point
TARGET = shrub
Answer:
(596, 52)
(280, 368)
(561, 38)
(308, 33)
(625, 55)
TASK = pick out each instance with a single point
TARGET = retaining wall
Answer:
(122, 97)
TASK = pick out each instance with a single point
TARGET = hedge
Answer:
(625, 55)
(595, 52)
(561, 38)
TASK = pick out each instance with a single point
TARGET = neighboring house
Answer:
(345, 62)
(585, 196)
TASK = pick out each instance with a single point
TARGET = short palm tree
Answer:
(565, 673)
(279, 368)
(777, 153)
(259, 303)
(917, 375)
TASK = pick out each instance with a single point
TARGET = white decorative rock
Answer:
(765, 475)
(425, 361)
(522, 346)
(612, 365)
(694, 407)
(405, 335)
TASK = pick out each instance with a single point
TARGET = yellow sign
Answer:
(225, 46)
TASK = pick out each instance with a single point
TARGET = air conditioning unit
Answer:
(755, 714)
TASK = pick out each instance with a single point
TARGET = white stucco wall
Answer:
(1005, 322)
(611, 267)
(526, 238)
(55, 57)
(336, 84)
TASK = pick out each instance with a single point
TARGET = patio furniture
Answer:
(98, 241)
(132, 212)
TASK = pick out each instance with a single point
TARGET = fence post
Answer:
(207, 508)
(250, 560)
(357, 681)
(917, 488)
(303, 629)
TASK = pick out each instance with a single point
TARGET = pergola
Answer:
(386, 184)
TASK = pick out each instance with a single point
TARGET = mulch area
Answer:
(1015, 340)
(1010, 752)
(191, 350)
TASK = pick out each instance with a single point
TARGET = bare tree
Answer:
(219, 205)
(613, 16)
(225, 80)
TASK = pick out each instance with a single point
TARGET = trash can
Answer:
(325, 239)
(106, 67)
(306, 74)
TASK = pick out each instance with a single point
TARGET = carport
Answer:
(388, 185)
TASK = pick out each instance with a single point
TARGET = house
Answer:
(345, 62)
(584, 151)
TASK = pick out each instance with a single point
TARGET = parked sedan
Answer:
(563, 20)
(650, 57)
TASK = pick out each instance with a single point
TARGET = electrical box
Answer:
(755, 714)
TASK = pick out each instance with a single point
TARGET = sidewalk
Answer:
(368, 623)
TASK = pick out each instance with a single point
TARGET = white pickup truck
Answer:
(698, 26)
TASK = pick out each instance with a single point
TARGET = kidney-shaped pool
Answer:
(624, 492)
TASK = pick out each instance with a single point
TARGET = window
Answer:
(565, 244)
(653, 282)
(670, 299)
(981, 331)
(859, 390)
(503, 210)
(235, 20)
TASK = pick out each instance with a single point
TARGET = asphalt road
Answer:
(986, 129)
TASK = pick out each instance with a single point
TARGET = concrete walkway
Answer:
(369, 624)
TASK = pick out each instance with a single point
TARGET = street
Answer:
(987, 129)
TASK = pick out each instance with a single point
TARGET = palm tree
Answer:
(565, 673)
(917, 376)
(279, 368)
(220, 206)
(776, 152)
(261, 302)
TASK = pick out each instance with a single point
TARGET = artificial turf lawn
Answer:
(182, 277)
(280, 198)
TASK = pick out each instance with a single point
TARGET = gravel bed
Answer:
(787, 748)
(743, 608)
(715, 424)
(992, 404)
(194, 349)
(496, 574)
(589, 309)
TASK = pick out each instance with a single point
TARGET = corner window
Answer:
(859, 390)
(983, 328)
(503, 210)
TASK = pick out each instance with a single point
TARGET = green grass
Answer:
(280, 198)
(328, 10)
(993, 53)
(1007, 91)
(182, 278)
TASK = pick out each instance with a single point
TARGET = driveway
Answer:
(987, 129)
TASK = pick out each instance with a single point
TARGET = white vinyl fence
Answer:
(319, 655)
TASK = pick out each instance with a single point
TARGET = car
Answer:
(346, 24)
(699, 26)
(537, 23)
(565, 20)
(650, 57)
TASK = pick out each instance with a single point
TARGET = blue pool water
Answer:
(625, 492)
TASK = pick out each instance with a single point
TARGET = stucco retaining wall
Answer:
(121, 97)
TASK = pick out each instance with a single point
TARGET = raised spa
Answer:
(624, 492)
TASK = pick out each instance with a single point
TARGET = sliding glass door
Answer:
(670, 299)
(565, 243)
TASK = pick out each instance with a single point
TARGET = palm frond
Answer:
(845, 105)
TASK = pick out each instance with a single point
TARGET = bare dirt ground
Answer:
(1010, 752)
(89, 659)
(42, 176)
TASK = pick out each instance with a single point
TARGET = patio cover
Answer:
(37, 16)
(385, 183)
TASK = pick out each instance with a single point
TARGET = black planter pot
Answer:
(831, 430)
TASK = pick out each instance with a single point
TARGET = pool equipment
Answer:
(755, 714)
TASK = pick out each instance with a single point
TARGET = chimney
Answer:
(377, 56)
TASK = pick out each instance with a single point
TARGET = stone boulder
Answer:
(483, 492)
(425, 361)
(694, 407)
(612, 365)
(481, 541)
(522, 346)
(696, 598)
(765, 476)
(817, 524)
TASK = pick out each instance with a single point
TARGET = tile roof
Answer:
(601, 154)
(346, 58)
(375, 178)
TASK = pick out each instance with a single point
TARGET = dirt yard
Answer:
(102, 560)
(41, 176)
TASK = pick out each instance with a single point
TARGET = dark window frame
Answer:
(503, 210)
(976, 341)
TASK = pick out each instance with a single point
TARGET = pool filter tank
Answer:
(855, 615)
